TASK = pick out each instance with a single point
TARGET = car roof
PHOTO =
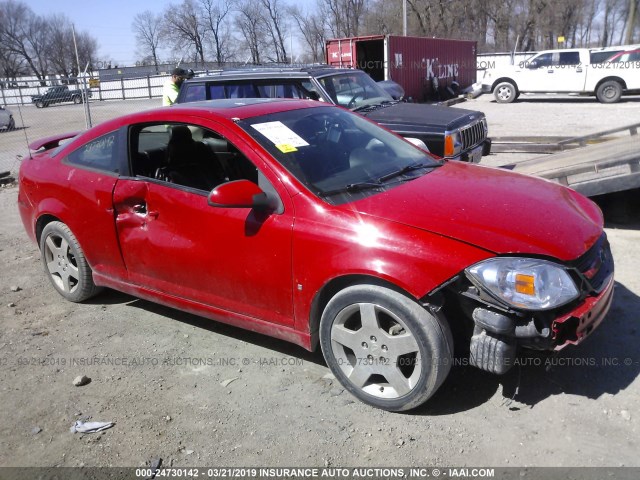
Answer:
(232, 108)
(228, 109)
(261, 73)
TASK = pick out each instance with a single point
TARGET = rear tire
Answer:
(385, 348)
(505, 92)
(40, 104)
(609, 92)
(65, 264)
(77, 99)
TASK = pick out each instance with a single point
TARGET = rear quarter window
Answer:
(194, 93)
(99, 154)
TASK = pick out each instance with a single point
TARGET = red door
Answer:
(172, 241)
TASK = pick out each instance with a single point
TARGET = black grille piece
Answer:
(596, 265)
(472, 135)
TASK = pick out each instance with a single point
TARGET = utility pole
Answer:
(404, 18)
(85, 96)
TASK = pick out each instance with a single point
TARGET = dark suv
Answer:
(452, 133)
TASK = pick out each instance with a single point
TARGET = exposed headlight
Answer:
(452, 144)
(524, 283)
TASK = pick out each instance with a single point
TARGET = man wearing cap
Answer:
(172, 86)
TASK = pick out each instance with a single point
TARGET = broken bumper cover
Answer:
(574, 327)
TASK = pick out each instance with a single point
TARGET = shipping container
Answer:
(425, 67)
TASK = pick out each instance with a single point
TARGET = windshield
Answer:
(338, 155)
(354, 90)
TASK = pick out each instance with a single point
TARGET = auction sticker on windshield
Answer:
(285, 139)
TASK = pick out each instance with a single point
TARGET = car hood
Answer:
(493, 209)
(414, 117)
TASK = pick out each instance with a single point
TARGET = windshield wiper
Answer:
(374, 106)
(407, 169)
(352, 187)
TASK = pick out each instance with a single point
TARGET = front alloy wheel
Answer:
(384, 348)
(65, 263)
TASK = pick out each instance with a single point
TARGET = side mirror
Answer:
(239, 194)
(532, 65)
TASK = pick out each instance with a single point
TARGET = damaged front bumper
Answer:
(498, 331)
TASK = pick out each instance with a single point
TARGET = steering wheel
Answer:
(352, 102)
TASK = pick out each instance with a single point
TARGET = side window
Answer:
(195, 93)
(544, 60)
(569, 58)
(187, 155)
(280, 90)
(216, 92)
(99, 154)
(310, 90)
(241, 90)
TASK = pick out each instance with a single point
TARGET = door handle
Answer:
(579, 70)
(550, 71)
(140, 208)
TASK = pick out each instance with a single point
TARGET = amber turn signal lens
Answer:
(448, 145)
(525, 284)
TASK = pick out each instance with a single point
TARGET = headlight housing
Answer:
(524, 283)
(452, 144)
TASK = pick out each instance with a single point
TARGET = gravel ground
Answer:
(195, 392)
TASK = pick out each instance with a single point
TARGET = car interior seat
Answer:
(190, 163)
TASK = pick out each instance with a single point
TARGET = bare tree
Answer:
(252, 25)
(147, 27)
(313, 32)
(61, 52)
(24, 34)
(343, 16)
(273, 15)
(183, 24)
(215, 12)
(632, 18)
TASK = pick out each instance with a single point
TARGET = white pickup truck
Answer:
(563, 71)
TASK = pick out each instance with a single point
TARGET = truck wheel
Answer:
(505, 92)
(77, 99)
(385, 348)
(609, 92)
(65, 263)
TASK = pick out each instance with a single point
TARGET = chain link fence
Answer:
(66, 105)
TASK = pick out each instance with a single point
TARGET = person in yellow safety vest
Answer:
(171, 88)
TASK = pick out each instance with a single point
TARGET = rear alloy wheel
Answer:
(65, 263)
(385, 348)
(77, 99)
(505, 92)
(609, 92)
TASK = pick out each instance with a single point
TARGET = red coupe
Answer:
(312, 224)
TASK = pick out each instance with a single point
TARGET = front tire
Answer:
(40, 104)
(384, 348)
(609, 92)
(505, 92)
(77, 99)
(65, 263)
